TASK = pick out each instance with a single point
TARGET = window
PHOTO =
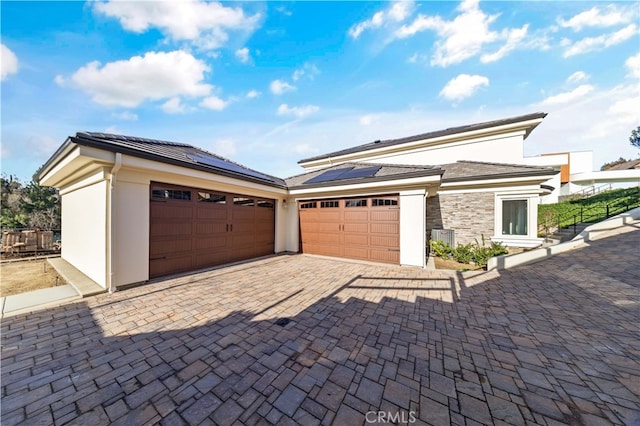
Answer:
(329, 204)
(514, 217)
(171, 194)
(210, 197)
(265, 204)
(356, 203)
(379, 202)
(311, 205)
(242, 201)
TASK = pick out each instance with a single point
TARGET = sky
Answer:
(267, 84)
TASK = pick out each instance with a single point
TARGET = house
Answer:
(136, 208)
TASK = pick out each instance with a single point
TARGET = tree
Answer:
(635, 137)
(28, 206)
(607, 166)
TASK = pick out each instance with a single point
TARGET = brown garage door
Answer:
(194, 228)
(364, 228)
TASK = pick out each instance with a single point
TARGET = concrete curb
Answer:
(506, 262)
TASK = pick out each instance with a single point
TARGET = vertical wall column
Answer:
(413, 213)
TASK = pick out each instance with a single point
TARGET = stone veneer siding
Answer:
(469, 214)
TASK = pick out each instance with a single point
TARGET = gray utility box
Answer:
(447, 236)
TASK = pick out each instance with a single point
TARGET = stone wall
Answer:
(469, 214)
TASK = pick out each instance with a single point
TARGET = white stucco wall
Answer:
(581, 162)
(496, 149)
(131, 236)
(84, 224)
(413, 228)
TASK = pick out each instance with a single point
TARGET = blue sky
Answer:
(269, 83)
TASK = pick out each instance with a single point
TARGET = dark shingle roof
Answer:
(475, 170)
(430, 135)
(385, 173)
(174, 153)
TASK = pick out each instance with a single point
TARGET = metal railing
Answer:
(582, 214)
(586, 192)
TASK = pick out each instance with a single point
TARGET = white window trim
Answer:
(529, 240)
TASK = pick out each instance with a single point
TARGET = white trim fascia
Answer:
(528, 189)
(380, 186)
(150, 168)
(518, 128)
(539, 179)
(88, 180)
(517, 242)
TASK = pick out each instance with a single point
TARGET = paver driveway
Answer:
(551, 343)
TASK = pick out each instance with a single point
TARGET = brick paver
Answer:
(550, 343)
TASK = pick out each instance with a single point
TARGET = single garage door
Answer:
(365, 228)
(194, 228)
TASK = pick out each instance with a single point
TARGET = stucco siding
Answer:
(131, 236)
(469, 214)
(84, 224)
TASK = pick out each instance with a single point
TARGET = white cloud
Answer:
(566, 97)
(308, 70)
(590, 44)
(174, 106)
(463, 86)
(8, 62)
(225, 147)
(214, 103)
(577, 77)
(243, 55)
(126, 116)
(633, 65)
(299, 112)
(594, 17)
(278, 87)
(514, 38)
(465, 35)
(397, 12)
(60, 80)
(207, 25)
(251, 94)
(304, 149)
(156, 75)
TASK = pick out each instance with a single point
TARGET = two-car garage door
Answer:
(194, 228)
(365, 228)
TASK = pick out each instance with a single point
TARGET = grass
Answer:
(588, 210)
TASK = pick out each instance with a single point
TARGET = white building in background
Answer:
(577, 175)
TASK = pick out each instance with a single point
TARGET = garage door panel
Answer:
(385, 228)
(385, 256)
(170, 265)
(213, 213)
(385, 215)
(384, 241)
(209, 228)
(322, 249)
(171, 245)
(357, 239)
(171, 211)
(243, 213)
(170, 229)
(211, 243)
(360, 215)
(324, 238)
(356, 227)
(209, 258)
(356, 252)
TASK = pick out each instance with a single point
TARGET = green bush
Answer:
(468, 253)
(441, 249)
(463, 253)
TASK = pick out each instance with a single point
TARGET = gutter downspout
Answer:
(111, 235)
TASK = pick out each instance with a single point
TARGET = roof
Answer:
(462, 171)
(430, 135)
(633, 164)
(175, 153)
(384, 172)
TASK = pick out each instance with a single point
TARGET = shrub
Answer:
(468, 253)
(463, 253)
(441, 249)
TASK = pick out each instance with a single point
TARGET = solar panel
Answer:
(344, 173)
(219, 163)
(329, 175)
(360, 173)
